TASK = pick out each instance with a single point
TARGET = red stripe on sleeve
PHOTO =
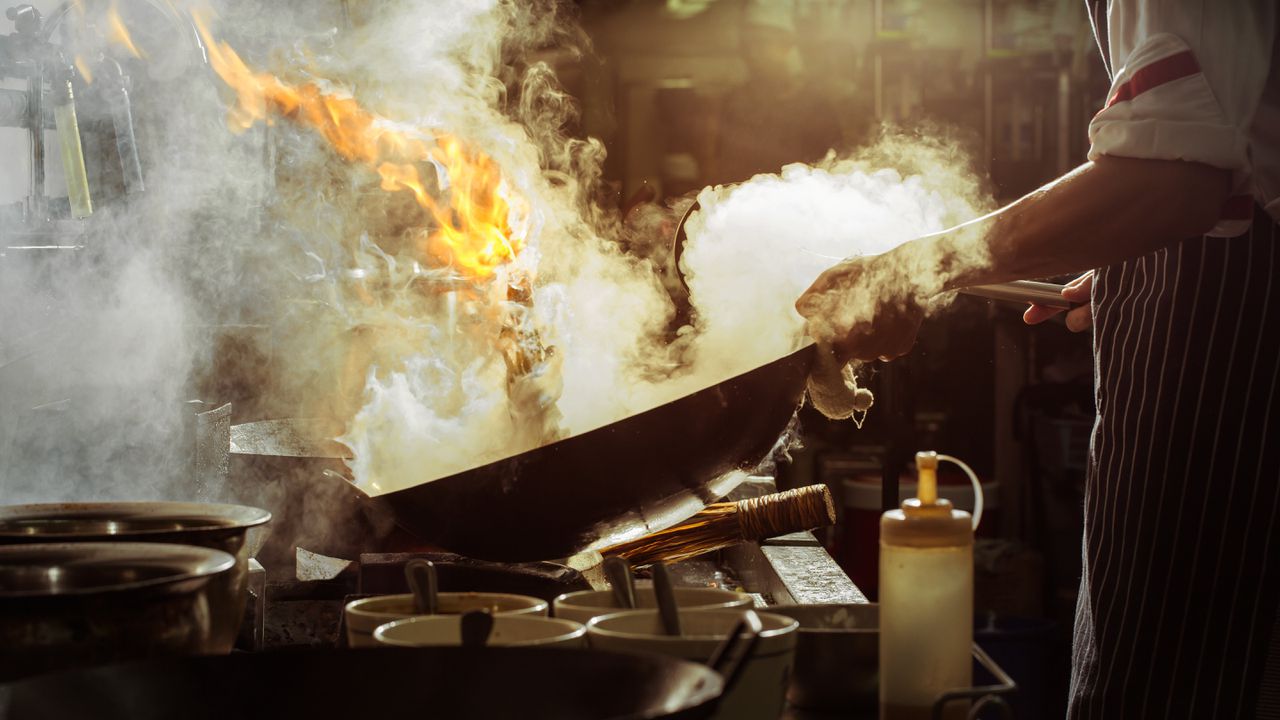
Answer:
(1164, 70)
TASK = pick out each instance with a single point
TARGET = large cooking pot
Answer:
(638, 475)
(74, 604)
(440, 682)
(219, 527)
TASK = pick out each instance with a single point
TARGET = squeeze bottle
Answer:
(926, 600)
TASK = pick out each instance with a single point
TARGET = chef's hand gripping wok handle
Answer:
(1021, 291)
(728, 659)
(1024, 291)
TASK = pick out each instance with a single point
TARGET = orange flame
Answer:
(86, 72)
(473, 229)
(119, 34)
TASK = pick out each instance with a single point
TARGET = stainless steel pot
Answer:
(837, 657)
(74, 604)
(218, 527)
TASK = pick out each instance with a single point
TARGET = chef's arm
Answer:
(1103, 212)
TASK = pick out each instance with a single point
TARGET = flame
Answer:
(119, 34)
(473, 230)
(85, 71)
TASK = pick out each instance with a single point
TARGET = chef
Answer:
(1174, 219)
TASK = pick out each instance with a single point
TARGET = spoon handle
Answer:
(666, 593)
(476, 627)
(730, 658)
(618, 572)
(425, 586)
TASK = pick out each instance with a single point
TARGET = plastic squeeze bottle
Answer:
(926, 602)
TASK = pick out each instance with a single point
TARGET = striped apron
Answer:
(1181, 579)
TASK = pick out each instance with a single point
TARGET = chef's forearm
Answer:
(1101, 213)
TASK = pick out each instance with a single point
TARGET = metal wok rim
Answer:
(188, 562)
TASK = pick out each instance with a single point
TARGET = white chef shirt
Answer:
(1197, 80)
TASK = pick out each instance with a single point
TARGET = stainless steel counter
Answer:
(789, 569)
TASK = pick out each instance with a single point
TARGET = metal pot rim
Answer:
(219, 517)
(187, 562)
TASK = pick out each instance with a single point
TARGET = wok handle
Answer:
(1023, 291)
(729, 663)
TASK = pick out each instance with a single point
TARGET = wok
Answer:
(233, 529)
(620, 481)
(441, 682)
(634, 476)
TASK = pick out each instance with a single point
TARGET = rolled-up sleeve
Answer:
(1191, 74)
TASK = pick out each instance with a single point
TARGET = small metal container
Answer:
(837, 657)
(207, 525)
(74, 604)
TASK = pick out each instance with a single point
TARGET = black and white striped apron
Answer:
(1182, 500)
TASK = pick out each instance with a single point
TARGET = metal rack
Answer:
(981, 696)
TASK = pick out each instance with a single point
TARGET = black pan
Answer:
(454, 683)
(640, 474)
(631, 477)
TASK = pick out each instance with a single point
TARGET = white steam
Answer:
(756, 247)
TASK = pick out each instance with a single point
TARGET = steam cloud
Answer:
(355, 335)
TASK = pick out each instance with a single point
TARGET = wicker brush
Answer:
(723, 524)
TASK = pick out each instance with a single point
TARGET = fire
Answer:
(85, 71)
(473, 228)
(119, 34)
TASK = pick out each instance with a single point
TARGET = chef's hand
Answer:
(866, 308)
(1078, 319)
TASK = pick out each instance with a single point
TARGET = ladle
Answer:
(666, 594)
(425, 586)
(476, 626)
(618, 572)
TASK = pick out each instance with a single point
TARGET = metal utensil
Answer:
(618, 572)
(732, 654)
(290, 437)
(1023, 291)
(425, 585)
(665, 592)
(476, 627)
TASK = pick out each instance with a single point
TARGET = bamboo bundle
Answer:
(723, 524)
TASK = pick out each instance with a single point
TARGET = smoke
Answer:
(433, 369)
(755, 247)
(103, 343)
